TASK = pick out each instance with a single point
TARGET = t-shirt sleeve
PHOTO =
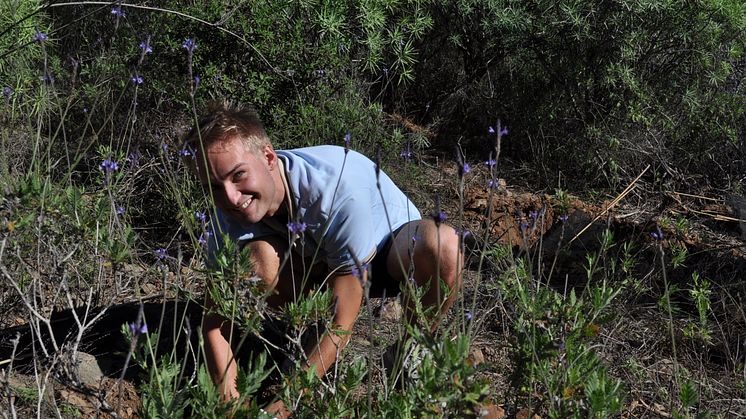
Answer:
(350, 234)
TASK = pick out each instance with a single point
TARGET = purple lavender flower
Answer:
(466, 168)
(204, 237)
(135, 330)
(297, 227)
(185, 152)
(534, 215)
(493, 184)
(200, 216)
(320, 73)
(160, 253)
(145, 47)
(358, 272)
(564, 217)
(657, 235)
(503, 131)
(117, 11)
(347, 141)
(463, 233)
(468, 316)
(7, 92)
(133, 158)
(189, 44)
(490, 163)
(407, 154)
(138, 80)
(438, 216)
(197, 79)
(108, 166)
(120, 210)
(40, 37)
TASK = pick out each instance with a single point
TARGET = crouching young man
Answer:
(349, 214)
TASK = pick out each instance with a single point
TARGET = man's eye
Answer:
(239, 175)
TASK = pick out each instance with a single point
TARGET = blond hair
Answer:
(223, 121)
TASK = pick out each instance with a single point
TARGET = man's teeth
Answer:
(246, 203)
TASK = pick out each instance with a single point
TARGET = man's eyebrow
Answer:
(232, 170)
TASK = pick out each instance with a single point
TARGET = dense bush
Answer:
(307, 67)
(593, 89)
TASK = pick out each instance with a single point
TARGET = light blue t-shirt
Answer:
(338, 200)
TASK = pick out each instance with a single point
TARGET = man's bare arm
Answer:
(347, 292)
(218, 352)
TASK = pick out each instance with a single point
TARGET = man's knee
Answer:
(437, 251)
(440, 241)
(446, 249)
(265, 256)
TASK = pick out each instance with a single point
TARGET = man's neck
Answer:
(285, 207)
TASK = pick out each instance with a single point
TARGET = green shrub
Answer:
(595, 90)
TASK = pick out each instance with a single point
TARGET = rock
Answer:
(149, 289)
(526, 414)
(491, 411)
(476, 356)
(88, 370)
(82, 406)
(391, 310)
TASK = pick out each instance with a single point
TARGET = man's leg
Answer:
(433, 255)
(268, 256)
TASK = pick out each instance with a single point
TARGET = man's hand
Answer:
(347, 292)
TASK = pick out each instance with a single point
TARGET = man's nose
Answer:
(232, 194)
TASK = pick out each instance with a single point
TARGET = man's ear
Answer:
(269, 156)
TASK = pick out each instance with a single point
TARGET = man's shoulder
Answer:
(320, 154)
(323, 166)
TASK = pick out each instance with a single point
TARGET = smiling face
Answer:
(246, 184)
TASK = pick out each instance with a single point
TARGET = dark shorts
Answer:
(381, 282)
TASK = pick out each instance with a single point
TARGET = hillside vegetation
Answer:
(592, 155)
